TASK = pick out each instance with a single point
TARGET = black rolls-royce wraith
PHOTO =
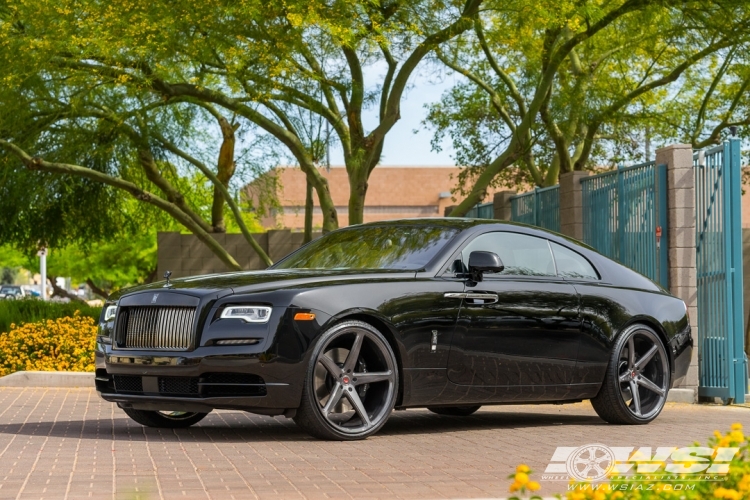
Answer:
(448, 314)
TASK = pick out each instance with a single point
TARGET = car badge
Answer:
(153, 300)
(166, 277)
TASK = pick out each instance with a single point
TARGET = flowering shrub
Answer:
(735, 486)
(63, 344)
(521, 482)
(33, 310)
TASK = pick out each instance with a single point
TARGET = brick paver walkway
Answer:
(67, 443)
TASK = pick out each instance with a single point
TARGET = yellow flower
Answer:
(523, 468)
(737, 436)
(736, 426)
(522, 478)
(727, 494)
(515, 486)
(533, 486)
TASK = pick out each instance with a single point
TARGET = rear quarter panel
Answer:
(606, 309)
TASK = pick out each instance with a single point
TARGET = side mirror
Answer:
(484, 262)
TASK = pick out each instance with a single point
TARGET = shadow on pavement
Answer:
(242, 427)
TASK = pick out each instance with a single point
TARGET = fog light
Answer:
(236, 341)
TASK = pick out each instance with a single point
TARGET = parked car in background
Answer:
(12, 292)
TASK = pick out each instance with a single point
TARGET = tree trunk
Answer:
(61, 292)
(358, 169)
(101, 293)
(224, 172)
(151, 276)
(479, 191)
(357, 195)
(320, 184)
(308, 212)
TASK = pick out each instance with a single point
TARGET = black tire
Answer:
(166, 420)
(625, 373)
(454, 411)
(348, 399)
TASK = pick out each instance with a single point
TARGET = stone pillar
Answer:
(571, 203)
(681, 240)
(501, 205)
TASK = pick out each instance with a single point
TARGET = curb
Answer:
(681, 396)
(48, 379)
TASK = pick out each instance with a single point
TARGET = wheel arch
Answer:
(656, 327)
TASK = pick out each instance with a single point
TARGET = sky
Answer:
(402, 145)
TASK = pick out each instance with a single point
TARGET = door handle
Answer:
(486, 298)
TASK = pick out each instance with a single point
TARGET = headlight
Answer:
(110, 313)
(249, 314)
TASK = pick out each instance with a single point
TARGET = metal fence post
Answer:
(734, 229)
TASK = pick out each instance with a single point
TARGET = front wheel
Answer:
(351, 384)
(637, 380)
(165, 419)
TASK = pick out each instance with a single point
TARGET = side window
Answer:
(522, 255)
(572, 265)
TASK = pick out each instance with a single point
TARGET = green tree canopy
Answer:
(561, 85)
(255, 61)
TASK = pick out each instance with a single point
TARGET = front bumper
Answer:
(200, 380)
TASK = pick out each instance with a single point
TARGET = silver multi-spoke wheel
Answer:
(352, 383)
(643, 373)
(637, 381)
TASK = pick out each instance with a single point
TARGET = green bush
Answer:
(32, 310)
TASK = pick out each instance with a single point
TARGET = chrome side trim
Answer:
(489, 298)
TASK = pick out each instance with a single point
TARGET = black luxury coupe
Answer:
(448, 314)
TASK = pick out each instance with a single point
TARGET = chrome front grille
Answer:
(156, 327)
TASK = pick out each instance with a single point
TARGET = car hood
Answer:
(252, 281)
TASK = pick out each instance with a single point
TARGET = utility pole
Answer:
(42, 253)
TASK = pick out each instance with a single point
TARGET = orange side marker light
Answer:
(304, 317)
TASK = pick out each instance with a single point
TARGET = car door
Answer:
(519, 327)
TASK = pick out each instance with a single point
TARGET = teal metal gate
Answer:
(625, 218)
(721, 358)
(540, 207)
(481, 211)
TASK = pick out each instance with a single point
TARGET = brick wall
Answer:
(393, 193)
(185, 255)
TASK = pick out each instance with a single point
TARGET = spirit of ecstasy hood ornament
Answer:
(166, 277)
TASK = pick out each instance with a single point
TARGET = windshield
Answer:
(372, 247)
(10, 290)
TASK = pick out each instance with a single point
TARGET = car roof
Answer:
(463, 223)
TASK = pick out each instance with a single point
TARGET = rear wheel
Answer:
(637, 379)
(165, 419)
(454, 411)
(351, 384)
